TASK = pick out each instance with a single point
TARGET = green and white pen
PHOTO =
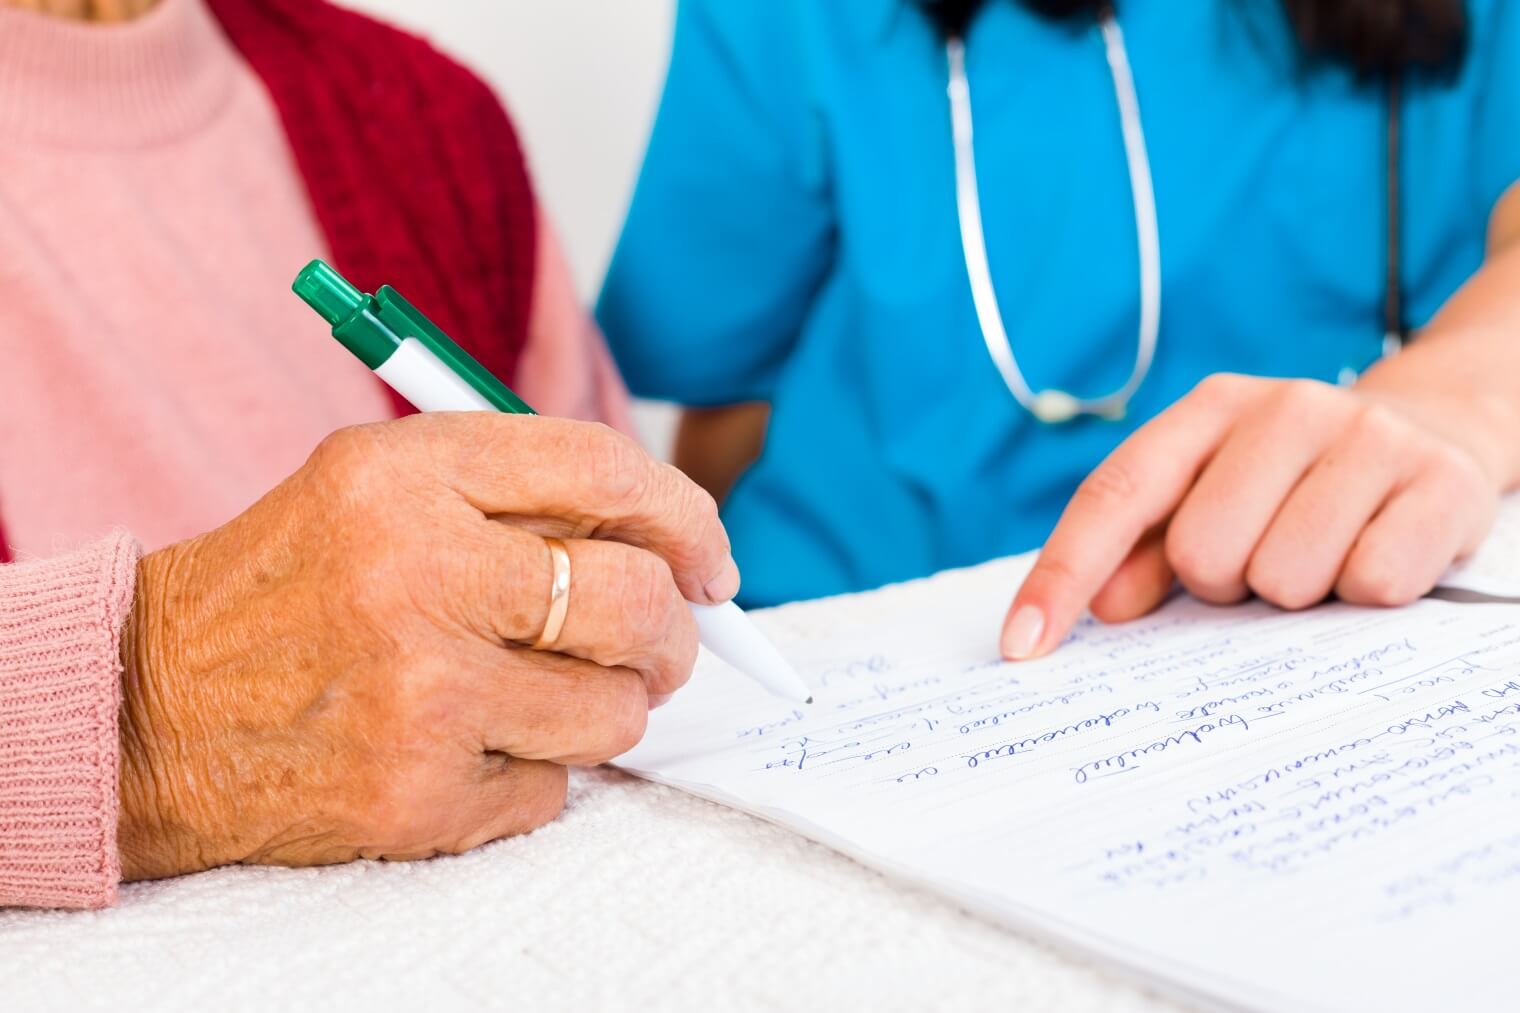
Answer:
(423, 365)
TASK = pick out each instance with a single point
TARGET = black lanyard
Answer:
(1395, 326)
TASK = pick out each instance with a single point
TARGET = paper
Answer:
(1309, 811)
(1491, 570)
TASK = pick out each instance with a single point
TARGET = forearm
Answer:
(715, 445)
(1463, 370)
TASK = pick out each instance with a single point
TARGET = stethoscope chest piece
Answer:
(1055, 407)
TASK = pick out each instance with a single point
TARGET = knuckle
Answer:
(1187, 556)
(684, 644)
(630, 718)
(619, 468)
(699, 525)
(1456, 468)
(543, 796)
(1203, 569)
(1221, 386)
(1191, 571)
(1378, 426)
(699, 506)
(1110, 485)
(343, 452)
(354, 466)
(673, 655)
(1377, 582)
(1276, 585)
(646, 598)
(1304, 398)
(616, 722)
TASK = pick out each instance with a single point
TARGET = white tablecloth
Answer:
(638, 897)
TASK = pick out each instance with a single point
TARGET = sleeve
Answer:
(60, 690)
(730, 232)
(1497, 148)
(565, 369)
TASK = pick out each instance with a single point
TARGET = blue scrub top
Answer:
(793, 239)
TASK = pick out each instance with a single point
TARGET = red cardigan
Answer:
(413, 169)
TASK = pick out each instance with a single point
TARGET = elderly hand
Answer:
(1288, 489)
(341, 673)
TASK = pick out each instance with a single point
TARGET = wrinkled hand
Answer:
(1287, 489)
(340, 671)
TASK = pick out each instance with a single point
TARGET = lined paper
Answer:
(1317, 810)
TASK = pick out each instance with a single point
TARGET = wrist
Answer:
(1494, 433)
(153, 842)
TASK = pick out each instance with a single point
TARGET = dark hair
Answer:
(1373, 37)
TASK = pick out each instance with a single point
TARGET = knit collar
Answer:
(133, 84)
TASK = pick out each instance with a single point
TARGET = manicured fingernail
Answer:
(725, 585)
(1023, 633)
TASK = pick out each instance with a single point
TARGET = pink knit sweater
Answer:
(158, 378)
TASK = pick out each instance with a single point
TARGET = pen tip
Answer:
(809, 700)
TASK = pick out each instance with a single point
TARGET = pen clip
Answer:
(409, 322)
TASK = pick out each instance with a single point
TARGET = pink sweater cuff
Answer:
(60, 689)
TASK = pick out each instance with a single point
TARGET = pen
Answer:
(421, 363)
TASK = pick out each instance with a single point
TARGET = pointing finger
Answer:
(1134, 490)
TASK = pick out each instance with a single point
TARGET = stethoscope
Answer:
(1052, 405)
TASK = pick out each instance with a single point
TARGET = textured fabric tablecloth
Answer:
(638, 897)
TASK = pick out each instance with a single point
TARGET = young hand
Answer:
(1287, 489)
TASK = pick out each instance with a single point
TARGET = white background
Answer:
(581, 79)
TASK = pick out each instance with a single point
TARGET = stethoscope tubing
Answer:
(1055, 406)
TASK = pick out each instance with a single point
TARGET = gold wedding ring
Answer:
(559, 595)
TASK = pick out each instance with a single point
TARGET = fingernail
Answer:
(1023, 633)
(725, 585)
